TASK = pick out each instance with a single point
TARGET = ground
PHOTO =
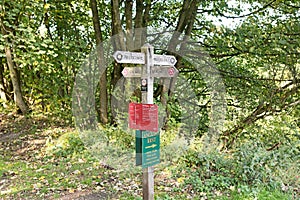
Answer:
(28, 171)
(21, 139)
(42, 157)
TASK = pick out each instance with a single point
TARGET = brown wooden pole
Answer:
(147, 97)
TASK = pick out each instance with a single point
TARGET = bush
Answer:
(208, 172)
(66, 145)
(118, 137)
(255, 165)
(248, 167)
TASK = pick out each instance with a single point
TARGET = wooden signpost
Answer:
(143, 117)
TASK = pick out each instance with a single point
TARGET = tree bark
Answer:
(138, 23)
(119, 43)
(2, 87)
(185, 24)
(141, 22)
(18, 97)
(103, 79)
(146, 18)
(129, 31)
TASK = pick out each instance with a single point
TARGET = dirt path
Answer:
(21, 137)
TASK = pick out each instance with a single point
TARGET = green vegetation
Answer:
(236, 99)
(52, 162)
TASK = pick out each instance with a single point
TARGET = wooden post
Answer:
(147, 98)
(148, 59)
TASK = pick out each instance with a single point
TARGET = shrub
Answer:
(66, 145)
(255, 165)
(250, 166)
(208, 172)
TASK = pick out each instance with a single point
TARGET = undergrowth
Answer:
(51, 162)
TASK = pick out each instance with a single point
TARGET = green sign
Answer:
(147, 148)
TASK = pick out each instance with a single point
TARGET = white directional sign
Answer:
(164, 60)
(163, 71)
(129, 57)
(155, 71)
(139, 58)
(132, 72)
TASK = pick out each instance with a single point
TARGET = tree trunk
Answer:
(118, 39)
(138, 23)
(129, 31)
(185, 24)
(2, 87)
(141, 21)
(18, 97)
(146, 17)
(8, 86)
(103, 78)
(119, 43)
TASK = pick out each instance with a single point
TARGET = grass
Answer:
(48, 161)
(51, 177)
(262, 194)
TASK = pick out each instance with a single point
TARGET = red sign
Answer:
(134, 116)
(143, 116)
(171, 71)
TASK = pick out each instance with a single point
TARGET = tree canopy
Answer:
(254, 46)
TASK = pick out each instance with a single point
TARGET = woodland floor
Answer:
(21, 139)
(27, 173)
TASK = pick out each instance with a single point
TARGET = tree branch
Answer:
(262, 110)
(246, 15)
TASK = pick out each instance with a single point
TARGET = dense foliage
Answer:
(254, 47)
